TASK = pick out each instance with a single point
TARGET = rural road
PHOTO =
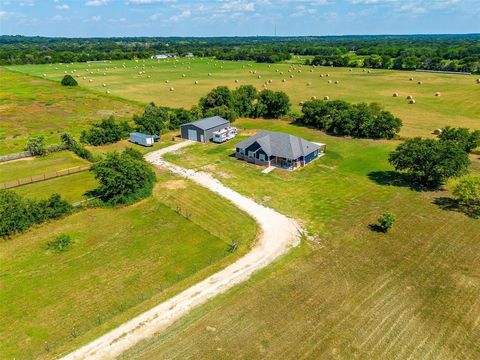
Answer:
(278, 235)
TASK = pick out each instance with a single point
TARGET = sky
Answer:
(104, 18)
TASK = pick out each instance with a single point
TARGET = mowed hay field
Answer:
(31, 106)
(122, 262)
(145, 81)
(347, 292)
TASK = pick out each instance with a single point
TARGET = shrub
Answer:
(75, 147)
(467, 192)
(272, 104)
(386, 221)
(430, 162)
(17, 214)
(60, 244)
(106, 132)
(124, 177)
(36, 146)
(68, 80)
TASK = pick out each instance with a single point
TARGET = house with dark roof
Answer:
(268, 148)
(202, 130)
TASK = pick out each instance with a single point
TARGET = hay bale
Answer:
(478, 81)
(90, 80)
(411, 79)
(437, 131)
(104, 85)
(321, 75)
(108, 91)
(171, 89)
(196, 82)
(259, 76)
(350, 70)
(395, 94)
(291, 76)
(183, 75)
(326, 98)
(209, 74)
(301, 103)
(84, 78)
(167, 81)
(309, 84)
(337, 82)
(420, 83)
(438, 93)
(412, 101)
(313, 97)
(327, 75)
(236, 80)
(284, 80)
(409, 97)
(329, 81)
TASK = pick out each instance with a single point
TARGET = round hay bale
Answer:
(104, 74)
(108, 91)
(364, 70)
(420, 83)
(369, 71)
(44, 75)
(438, 93)
(321, 75)
(311, 70)
(337, 82)
(437, 131)
(149, 76)
(409, 97)
(259, 76)
(84, 78)
(104, 85)
(291, 76)
(411, 101)
(327, 75)
(326, 98)
(411, 79)
(350, 70)
(236, 80)
(284, 80)
(90, 80)
(478, 81)
(167, 81)
(314, 97)
(301, 103)
(395, 94)
(183, 75)
(209, 74)
(329, 81)
(309, 84)
(171, 89)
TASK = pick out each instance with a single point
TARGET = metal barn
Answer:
(202, 130)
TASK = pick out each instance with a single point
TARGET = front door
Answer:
(192, 134)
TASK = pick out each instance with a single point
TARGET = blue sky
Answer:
(86, 18)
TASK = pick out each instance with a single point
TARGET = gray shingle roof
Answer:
(280, 144)
(209, 123)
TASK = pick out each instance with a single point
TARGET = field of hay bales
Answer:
(181, 82)
(348, 291)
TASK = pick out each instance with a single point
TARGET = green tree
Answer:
(106, 132)
(386, 221)
(36, 146)
(220, 96)
(467, 192)
(244, 100)
(222, 111)
(461, 136)
(272, 104)
(430, 162)
(68, 80)
(153, 120)
(124, 177)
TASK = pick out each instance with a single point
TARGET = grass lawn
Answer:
(347, 292)
(31, 106)
(48, 164)
(123, 261)
(457, 105)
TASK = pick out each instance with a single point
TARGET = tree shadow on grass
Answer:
(449, 204)
(376, 228)
(393, 178)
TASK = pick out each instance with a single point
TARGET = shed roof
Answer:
(209, 123)
(142, 135)
(280, 144)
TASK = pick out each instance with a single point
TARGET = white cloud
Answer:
(57, 18)
(185, 14)
(62, 7)
(96, 18)
(96, 2)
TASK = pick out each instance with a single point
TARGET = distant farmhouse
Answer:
(163, 56)
(204, 130)
(188, 55)
(268, 148)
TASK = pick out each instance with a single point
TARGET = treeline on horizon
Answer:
(409, 52)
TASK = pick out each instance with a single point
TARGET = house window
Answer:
(261, 157)
(241, 151)
(251, 154)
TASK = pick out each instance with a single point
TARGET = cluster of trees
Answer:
(358, 120)
(245, 101)
(433, 52)
(106, 131)
(467, 194)
(124, 177)
(17, 214)
(68, 80)
(430, 162)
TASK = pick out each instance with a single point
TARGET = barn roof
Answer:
(209, 123)
(280, 144)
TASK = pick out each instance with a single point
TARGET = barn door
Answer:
(192, 134)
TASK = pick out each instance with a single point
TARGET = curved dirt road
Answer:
(278, 235)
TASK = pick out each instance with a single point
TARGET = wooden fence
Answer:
(16, 156)
(43, 177)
